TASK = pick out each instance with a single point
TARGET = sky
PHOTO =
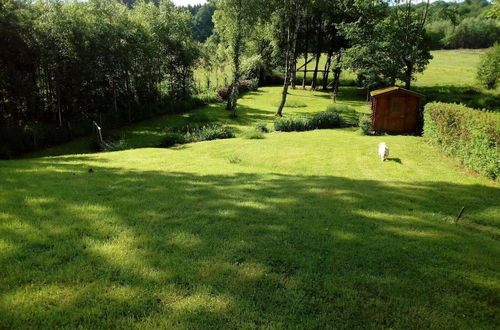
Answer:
(188, 2)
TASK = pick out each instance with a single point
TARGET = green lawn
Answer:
(456, 67)
(305, 230)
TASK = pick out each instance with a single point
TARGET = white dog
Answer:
(383, 151)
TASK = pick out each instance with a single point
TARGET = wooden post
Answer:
(459, 214)
(98, 134)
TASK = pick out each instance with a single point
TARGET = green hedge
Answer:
(321, 120)
(471, 135)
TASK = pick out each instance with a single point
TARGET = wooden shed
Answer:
(396, 110)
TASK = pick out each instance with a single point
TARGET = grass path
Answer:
(306, 229)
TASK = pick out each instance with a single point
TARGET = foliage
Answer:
(194, 133)
(488, 72)
(253, 134)
(320, 120)
(389, 44)
(202, 15)
(292, 124)
(208, 133)
(348, 114)
(66, 64)
(234, 20)
(262, 127)
(172, 138)
(244, 86)
(326, 119)
(462, 24)
(365, 124)
(470, 135)
(476, 32)
(494, 10)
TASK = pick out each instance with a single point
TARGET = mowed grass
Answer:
(297, 229)
(454, 67)
(253, 108)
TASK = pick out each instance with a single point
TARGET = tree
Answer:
(494, 11)
(406, 28)
(203, 25)
(388, 43)
(292, 13)
(234, 21)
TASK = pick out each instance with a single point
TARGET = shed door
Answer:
(397, 112)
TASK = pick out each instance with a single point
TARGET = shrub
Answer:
(170, 139)
(223, 92)
(292, 124)
(245, 86)
(323, 120)
(320, 120)
(470, 135)
(253, 135)
(262, 127)
(365, 124)
(488, 72)
(208, 133)
(195, 133)
(347, 114)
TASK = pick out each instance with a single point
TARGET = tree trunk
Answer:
(292, 31)
(318, 56)
(408, 74)
(305, 55)
(326, 72)
(233, 96)
(294, 71)
(336, 76)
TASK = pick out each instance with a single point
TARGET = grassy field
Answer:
(455, 67)
(298, 229)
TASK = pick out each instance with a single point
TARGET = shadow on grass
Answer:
(120, 248)
(396, 160)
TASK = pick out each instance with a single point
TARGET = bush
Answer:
(488, 72)
(245, 86)
(208, 133)
(195, 133)
(325, 120)
(348, 114)
(292, 124)
(253, 135)
(170, 139)
(470, 135)
(262, 127)
(365, 124)
(321, 120)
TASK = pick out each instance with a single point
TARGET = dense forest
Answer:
(65, 65)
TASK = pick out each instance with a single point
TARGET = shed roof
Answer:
(381, 91)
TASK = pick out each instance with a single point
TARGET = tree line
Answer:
(64, 65)
(467, 24)
(383, 42)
